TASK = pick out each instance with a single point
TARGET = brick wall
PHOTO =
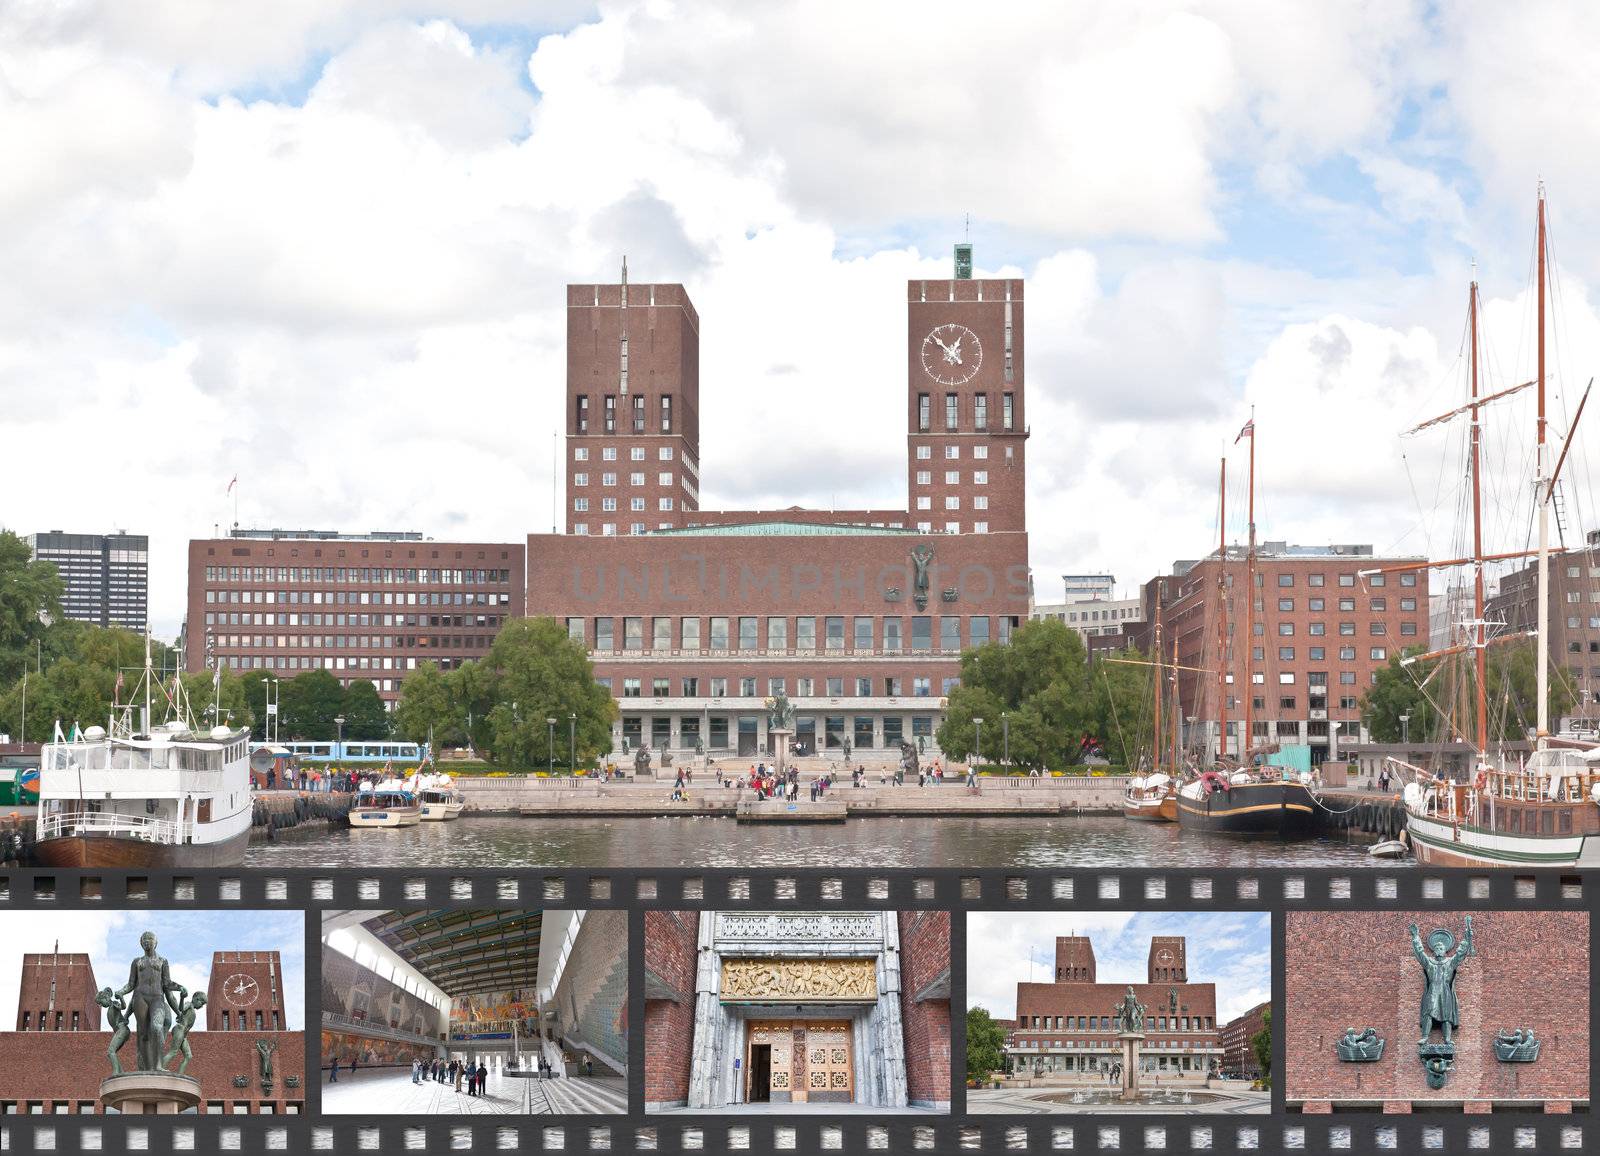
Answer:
(1530, 969)
(925, 1003)
(591, 1000)
(67, 1067)
(670, 949)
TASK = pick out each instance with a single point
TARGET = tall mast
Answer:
(1177, 711)
(1540, 495)
(1156, 737)
(1480, 639)
(1248, 740)
(1222, 612)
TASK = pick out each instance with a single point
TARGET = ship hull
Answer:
(121, 852)
(1435, 843)
(1284, 810)
(386, 817)
(1163, 810)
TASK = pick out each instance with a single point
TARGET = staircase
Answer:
(580, 1096)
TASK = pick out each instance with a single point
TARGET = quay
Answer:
(1362, 816)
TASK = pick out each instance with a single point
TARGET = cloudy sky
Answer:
(321, 244)
(186, 938)
(1231, 949)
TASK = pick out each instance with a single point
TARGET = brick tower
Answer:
(1074, 959)
(633, 407)
(967, 426)
(57, 993)
(1168, 961)
(245, 992)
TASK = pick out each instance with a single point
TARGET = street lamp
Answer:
(977, 741)
(572, 743)
(339, 722)
(272, 684)
(552, 721)
(1005, 739)
(1405, 727)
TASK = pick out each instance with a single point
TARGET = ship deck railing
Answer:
(106, 823)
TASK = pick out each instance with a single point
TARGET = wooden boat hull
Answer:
(122, 852)
(1439, 843)
(1285, 810)
(1163, 810)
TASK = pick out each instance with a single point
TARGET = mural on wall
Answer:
(357, 992)
(369, 1052)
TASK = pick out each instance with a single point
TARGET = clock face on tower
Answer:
(951, 354)
(1164, 955)
(240, 990)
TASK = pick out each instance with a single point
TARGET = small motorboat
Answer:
(386, 805)
(1389, 849)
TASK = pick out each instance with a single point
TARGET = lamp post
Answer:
(1405, 728)
(338, 747)
(1005, 739)
(552, 721)
(275, 694)
(572, 743)
(977, 742)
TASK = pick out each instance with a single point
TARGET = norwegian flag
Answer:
(1249, 431)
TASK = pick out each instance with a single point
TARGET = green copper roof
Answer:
(783, 530)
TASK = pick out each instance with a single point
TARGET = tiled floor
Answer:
(390, 1091)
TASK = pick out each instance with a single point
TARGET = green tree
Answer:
(235, 711)
(309, 704)
(1122, 705)
(1421, 689)
(472, 687)
(985, 1044)
(1040, 681)
(1261, 1046)
(30, 602)
(427, 708)
(79, 681)
(365, 719)
(539, 672)
(1397, 691)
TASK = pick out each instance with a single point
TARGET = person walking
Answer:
(416, 1069)
(333, 1071)
(458, 1075)
(972, 775)
(588, 1066)
(483, 1077)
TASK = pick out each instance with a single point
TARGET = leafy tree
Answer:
(79, 681)
(427, 708)
(235, 710)
(1041, 682)
(365, 719)
(309, 704)
(30, 601)
(1420, 689)
(985, 1044)
(1261, 1045)
(1122, 708)
(540, 672)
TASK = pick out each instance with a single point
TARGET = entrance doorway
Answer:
(800, 1061)
(748, 737)
(760, 1090)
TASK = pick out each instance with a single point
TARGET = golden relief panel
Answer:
(800, 980)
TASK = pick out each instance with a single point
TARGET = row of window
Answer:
(1346, 578)
(1377, 605)
(639, 408)
(609, 453)
(293, 664)
(1375, 628)
(953, 415)
(833, 686)
(864, 632)
(609, 529)
(1107, 1023)
(664, 478)
(352, 641)
(355, 598)
(742, 732)
(953, 453)
(362, 575)
(953, 477)
(952, 502)
(234, 618)
(609, 505)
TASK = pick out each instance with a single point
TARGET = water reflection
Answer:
(723, 842)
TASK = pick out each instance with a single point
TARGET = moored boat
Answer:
(166, 796)
(1153, 798)
(386, 805)
(1248, 802)
(439, 798)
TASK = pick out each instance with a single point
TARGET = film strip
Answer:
(1280, 892)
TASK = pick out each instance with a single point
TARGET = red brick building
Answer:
(1528, 969)
(1066, 1027)
(1574, 622)
(1322, 631)
(1238, 1054)
(368, 606)
(245, 992)
(670, 939)
(925, 1005)
(55, 1061)
(694, 619)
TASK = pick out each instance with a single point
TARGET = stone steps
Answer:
(582, 1096)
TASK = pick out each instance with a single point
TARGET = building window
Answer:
(805, 633)
(924, 502)
(1286, 604)
(923, 417)
(951, 453)
(583, 414)
(891, 635)
(666, 413)
(777, 634)
(924, 453)
(952, 502)
(1285, 629)
(1006, 411)
(1376, 628)
(1379, 654)
(950, 633)
(630, 688)
(689, 631)
(636, 478)
(748, 629)
(834, 626)
(581, 505)
(608, 453)
(719, 634)
(952, 411)
(920, 688)
(863, 633)
(747, 688)
(611, 413)
(602, 634)
(633, 633)
(980, 411)
(921, 632)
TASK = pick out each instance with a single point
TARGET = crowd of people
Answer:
(769, 783)
(309, 779)
(455, 1072)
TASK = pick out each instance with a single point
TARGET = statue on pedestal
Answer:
(1439, 1007)
(641, 761)
(1129, 1013)
(780, 713)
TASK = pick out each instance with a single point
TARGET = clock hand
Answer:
(956, 352)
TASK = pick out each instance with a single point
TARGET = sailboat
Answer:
(1248, 799)
(163, 796)
(1544, 812)
(1154, 797)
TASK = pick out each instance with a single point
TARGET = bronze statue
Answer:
(1359, 1047)
(150, 981)
(179, 1044)
(1128, 1014)
(921, 556)
(641, 760)
(1439, 1005)
(117, 1013)
(264, 1050)
(780, 712)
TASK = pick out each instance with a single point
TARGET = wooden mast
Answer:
(1541, 495)
(1222, 614)
(1248, 740)
(1156, 736)
(1177, 710)
(1480, 656)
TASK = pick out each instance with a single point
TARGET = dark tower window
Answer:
(611, 413)
(952, 411)
(666, 413)
(1007, 420)
(583, 413)
(638, 413)
(980, 411)
(923, 416)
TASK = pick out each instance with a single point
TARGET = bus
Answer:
(358, 754)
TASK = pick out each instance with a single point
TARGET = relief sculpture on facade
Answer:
(796, 980)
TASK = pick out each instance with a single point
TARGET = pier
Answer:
(1363, 816)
